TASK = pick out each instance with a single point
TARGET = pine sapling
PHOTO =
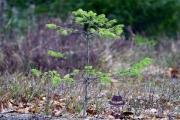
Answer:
(93, 25)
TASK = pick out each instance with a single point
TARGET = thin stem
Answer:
(87, 77)
(88, 48)
(47, 103)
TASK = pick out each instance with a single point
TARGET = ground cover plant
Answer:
(139, 90)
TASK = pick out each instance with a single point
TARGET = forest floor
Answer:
(153, 96)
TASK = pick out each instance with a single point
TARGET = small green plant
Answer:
(136, 69)
(99, 25)
(60, 30)
(55, 78)
(51, 26)
(103, 77)
(93, 26)
(94, 23)
(55, 54)
(69, 78)
(143, 41)
(36, 72)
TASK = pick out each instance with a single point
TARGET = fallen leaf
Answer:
(34, 109)
(91, 111)
(23, 110)
(173, 72)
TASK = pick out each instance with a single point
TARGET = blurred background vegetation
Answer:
(22, 24)
(150, 17)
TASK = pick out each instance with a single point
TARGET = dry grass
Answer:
(151, 93)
